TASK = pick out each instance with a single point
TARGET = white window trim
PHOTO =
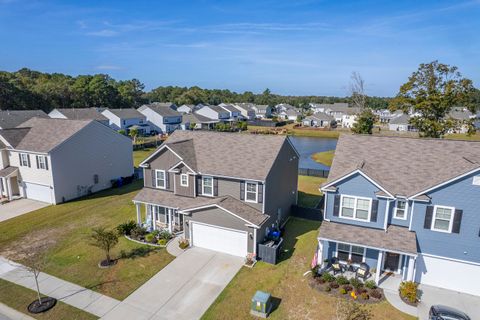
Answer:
(350, 251)
(434, 217)
(21, 159)
(256, 191)
(355, 208)
(476, 181)
(203, 186)
(40, 159)
(164, 179)
(406, 210)
(184, 175)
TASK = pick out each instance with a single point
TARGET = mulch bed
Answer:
(408, 301)
(46, 304)
(321, 286)
(106, 264)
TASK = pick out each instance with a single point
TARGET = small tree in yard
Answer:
(133, 133)
(105, 240)
(364, 122)
(348, 310)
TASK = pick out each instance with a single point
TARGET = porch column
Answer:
(411, 267)
(170, 220)
(139, 213)
(9, 189)
(379, 267)
(320, 253)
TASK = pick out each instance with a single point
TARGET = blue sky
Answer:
(292, 47)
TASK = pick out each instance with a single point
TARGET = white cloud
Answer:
(103, 33)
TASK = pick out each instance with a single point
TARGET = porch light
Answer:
(251, 235)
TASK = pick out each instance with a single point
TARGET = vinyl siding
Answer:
(32, 174)
(164, 160)
(464, 245)
(184, 191)
(231, 187)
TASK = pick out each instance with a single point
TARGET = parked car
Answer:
(439, 312)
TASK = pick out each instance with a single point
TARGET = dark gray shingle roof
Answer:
(129, 113)
(163, 109)
(12, 118)
(82, 114)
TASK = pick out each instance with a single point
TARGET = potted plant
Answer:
(250, 260)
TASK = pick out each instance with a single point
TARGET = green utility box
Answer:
(261, 304)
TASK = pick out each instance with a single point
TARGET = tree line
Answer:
(28, 89)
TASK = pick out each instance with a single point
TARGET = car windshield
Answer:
(451, 317)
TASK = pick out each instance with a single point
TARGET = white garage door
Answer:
(219, 239)
(37, 192)
(452, 275)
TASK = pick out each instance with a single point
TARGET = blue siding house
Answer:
(408, 207)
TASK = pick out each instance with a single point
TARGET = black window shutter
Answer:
(154, 184)
(215, 187)
(20, 159)
(242, 190)
(457, 221)
(36, 158)
(427, 224)
(374, 213)
(336, 205)
(167, 180)
(46, 163)
(199, 185)
(260, 193)
(28, 158)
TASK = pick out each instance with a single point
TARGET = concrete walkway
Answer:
(7, 313)
(394, 299)
(69, 293)
(19, 207)
(184, 289)
(173, 248)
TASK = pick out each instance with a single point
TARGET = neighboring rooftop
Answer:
(320, 116)
(239, 155)
(230, 108)
(12, 118)
(82, 114)
(196, 118)
(42, 135)
(163, 109)
(404, 166)
(401, 119)
(128, 113)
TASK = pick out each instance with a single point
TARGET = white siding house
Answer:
(122, 119)
(161, 117)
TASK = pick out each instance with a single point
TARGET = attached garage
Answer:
(234, 242)
(37, 192)
(448, 274)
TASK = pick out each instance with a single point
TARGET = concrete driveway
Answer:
(18, 207)
(184, 289)
(461, 301)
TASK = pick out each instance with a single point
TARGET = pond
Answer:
(306, 146)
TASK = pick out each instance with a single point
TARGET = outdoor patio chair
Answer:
(336, 266)
(362, 272)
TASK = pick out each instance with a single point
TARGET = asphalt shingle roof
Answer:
(82, 114)
(129, 113)
(404, 166)
(12, 118)
(163, 109)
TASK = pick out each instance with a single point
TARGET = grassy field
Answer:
(462, 136)
(18, 298)
(140, 155)
(325, 157)
(289, 129)
(286, 283)
(308, 193)
(65, 228)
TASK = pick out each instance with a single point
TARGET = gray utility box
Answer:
(269, 251)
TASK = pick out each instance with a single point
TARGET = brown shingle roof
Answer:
(404, 166)
(237, 155)
(395, 238)
(5, 172)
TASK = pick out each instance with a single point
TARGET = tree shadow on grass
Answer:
(138, 252)
(308, 200)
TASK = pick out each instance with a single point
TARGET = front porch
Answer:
(9, 188)
(156, 217)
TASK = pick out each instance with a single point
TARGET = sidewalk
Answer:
(69, 293)
(394, 299)
(173, 248)
(7, 313)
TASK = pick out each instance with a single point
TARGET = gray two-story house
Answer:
(222, 191)
(163, 117)
(404, 206)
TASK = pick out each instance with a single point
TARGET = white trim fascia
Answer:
(449, 259)
(157, 151)
(164, 179)
(405, 210)
(362, 174)
(263, 200)
(369, 247)
(5, 142)
(450, 222)
(29, 152)
(181, 182)
(411, 216)
(181, 162)
(214, 205)
(355, 208)
(254, 241)
(350, 251)
(213, 191)
(154, 204)
(444, 183)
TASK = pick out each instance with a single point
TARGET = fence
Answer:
(307, 213)
(267, 123)
(313, 172)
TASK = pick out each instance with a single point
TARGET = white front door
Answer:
(220, 239)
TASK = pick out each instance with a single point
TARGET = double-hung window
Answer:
(442, 218)
(251, 192)
(207, 186)
(24, 160)
(42, 162)
(355, 208)
(347, 252)
(160, 180)
(401, 210)
(184, 180)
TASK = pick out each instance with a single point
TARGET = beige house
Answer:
(56, 160)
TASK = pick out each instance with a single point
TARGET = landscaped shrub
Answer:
(320, 280)
(328, 277)
(162, 242)
(138, 232)
(360, 290)
(408, 291)
(347, 287)
(370, 284)
(334, 285)
(342, 280)
(356, 283)
(165, 234)
(375, 293)
(126, 227)
(155, 233)
(328, 289)
(150, 238)
(342, 291)
(183, 243)
(364, 296)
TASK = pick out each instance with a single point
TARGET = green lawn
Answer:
(285, 281)
(18, 297)
(299, 131)
(65, 229)
(325, 157)
(140, 155)
(462, 136)
(308, 193)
